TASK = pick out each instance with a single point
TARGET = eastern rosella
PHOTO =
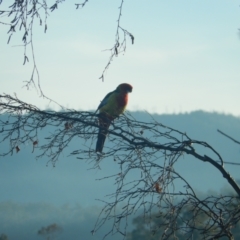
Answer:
(111, 107)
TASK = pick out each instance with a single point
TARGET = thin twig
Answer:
(224, 134)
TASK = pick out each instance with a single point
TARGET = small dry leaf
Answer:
(17, 149)
(68, 125)
(158, 188)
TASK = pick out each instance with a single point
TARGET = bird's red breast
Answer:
(116, 101)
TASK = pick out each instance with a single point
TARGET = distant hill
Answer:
(199, 124)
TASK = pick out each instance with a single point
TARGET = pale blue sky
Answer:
(185, 57)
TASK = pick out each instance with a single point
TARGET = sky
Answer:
(185, 56)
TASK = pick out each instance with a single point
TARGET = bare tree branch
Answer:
(24, 13)
(119, 45)
(21, 16)
(150, 150)
(224, 134)
(81, 4)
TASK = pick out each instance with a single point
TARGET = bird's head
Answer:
(125, 87)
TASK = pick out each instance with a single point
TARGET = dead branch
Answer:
(224, 134)
(149, 148)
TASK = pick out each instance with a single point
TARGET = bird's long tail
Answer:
(104, 123)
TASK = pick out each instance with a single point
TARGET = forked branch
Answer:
(150, 150)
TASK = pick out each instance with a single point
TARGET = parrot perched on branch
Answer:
(110, 108)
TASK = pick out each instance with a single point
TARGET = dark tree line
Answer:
(153, 227)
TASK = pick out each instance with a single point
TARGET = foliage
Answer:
(153, 227)
(49, 231)
(3, 237)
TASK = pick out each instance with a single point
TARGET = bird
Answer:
(111, 107)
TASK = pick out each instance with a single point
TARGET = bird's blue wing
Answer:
(105, 100)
